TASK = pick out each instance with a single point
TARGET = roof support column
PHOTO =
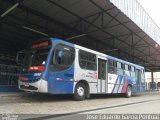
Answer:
(132, 49)
(152, 80)
(1, 7)
(1, 4)
(1, 11)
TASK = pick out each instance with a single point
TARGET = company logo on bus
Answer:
(26, 85)
(42, 44)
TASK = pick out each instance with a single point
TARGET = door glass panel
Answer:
(101, 69)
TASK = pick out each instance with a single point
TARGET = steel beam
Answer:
(81, 18)
(57, 22)
(92, 23)
(118, 22)
(54, 3)
(1, 11)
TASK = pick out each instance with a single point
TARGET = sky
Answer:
(152, 7)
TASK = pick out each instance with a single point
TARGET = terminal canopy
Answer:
(113, 27)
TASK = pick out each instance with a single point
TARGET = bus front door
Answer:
(101, 76)
(138, 79)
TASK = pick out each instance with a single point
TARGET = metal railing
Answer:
(9, 75)
(152, 86)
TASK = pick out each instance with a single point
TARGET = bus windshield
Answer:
(35, 60)
(36, 57)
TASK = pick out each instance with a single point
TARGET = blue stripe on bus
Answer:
(115, 85)
(120, 84)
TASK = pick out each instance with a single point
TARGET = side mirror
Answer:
(20, 57)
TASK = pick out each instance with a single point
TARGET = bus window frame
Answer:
(112, 64)
(52, 54)
(96, 61)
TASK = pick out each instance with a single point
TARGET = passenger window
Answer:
(132, 68)
(112, 67)
(101, 69)
(133, 71)
(63, 58)
(119, 65)
(87, 60)
(126, 67)
(119, 68)
(143, 77)
(126, 70)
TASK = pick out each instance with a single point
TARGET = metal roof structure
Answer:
(120, 28)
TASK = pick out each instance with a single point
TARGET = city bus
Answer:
(55, 66)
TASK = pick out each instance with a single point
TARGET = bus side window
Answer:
(101, 69)
(133, 71)
(111, 67)
(119, 68)
(62, 58)
(58, 57)
(142, 76)
(126, 70)
(87, 60)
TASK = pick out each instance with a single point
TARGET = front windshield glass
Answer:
(36, 56)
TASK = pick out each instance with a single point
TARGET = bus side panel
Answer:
(61, 82)
(119, 83)
(89, 76)
(82, 74)
(112, 78)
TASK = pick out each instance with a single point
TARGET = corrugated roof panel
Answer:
(133, 26)
(59, 14)
(51, 10)
(113, 11)
(103, 3)
(100, 35)
(122, 18)
(118, 30)
(82, 8)
(138, 15)
(37, 4)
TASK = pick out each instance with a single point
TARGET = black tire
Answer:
(80, 92)
(128, 93)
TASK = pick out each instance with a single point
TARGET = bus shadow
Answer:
(102, 96)
(109, 96)
(34, 97)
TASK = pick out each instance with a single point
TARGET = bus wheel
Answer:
(80, 92)
(128, 92)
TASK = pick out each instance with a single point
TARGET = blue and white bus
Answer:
(55, 66)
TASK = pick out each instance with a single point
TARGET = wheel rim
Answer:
(80, 91)
(129, 91)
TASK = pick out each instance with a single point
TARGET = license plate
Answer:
(26, 85)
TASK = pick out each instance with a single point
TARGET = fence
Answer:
(9, 77)
(153, 86)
